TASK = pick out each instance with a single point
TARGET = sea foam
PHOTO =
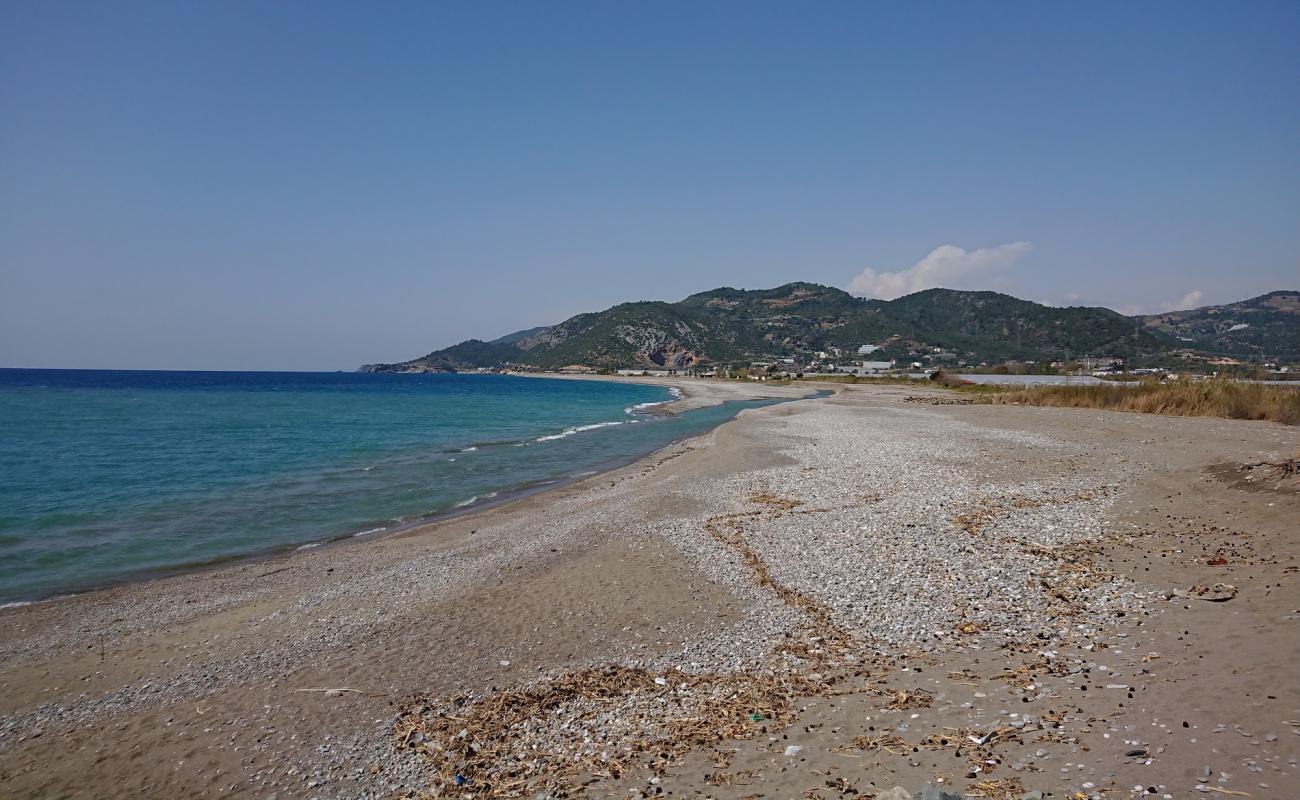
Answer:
(577, 429)
(472, 500)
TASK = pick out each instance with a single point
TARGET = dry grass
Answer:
(1230, 399)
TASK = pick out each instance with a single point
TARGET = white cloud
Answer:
(945, 266)
(1188, 301)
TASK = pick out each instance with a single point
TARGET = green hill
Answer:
(1267, 326)
(996, 327)
(736, 326)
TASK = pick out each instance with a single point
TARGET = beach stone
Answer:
(896, 793)
(935, 793)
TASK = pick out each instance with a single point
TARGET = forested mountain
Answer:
(1266, 326)
(732, 326)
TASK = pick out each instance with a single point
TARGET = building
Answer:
(868, 349)
(871, 368)
(1104, 364)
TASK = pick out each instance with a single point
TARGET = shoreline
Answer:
(697, 392)
(911, 537)
(690, 397)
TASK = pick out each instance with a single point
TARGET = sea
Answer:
(109, 476)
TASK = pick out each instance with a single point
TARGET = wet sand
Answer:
(987, 561)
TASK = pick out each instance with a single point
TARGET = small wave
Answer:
(367, 533)
(639, 407)
(469, 450)
(583, 474)
(16, 604)
(475, 499)
(309, 545)
(576, 429)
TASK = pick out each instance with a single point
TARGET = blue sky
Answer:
(312, 186)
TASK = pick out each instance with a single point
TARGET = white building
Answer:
(867, 349)
(872, 367)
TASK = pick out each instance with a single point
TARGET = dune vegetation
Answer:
(1218, 398)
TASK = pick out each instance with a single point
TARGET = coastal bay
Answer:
(113, 476)
(895, 571)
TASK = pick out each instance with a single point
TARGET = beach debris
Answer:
(1028, 674)
(339, 692)
(1285, 468)
(931, 400)
(739, 778)
(904, 700)
(775, 501)
(987, 510)
(504, 741)
(975, 521)
(1218, 593)
(614, 717)
(1003, 789)
(559, 734)
(888, 742)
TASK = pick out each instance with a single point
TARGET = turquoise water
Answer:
(106, 476)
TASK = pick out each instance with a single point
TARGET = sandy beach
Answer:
(823, 598)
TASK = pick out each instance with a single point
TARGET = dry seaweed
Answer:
(904, 700)
(610, 718)
(887, 742)
(600, 722)
(1004, 789)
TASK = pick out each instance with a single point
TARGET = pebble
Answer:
(877, 566)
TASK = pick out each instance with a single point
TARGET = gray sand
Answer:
(945, 546)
